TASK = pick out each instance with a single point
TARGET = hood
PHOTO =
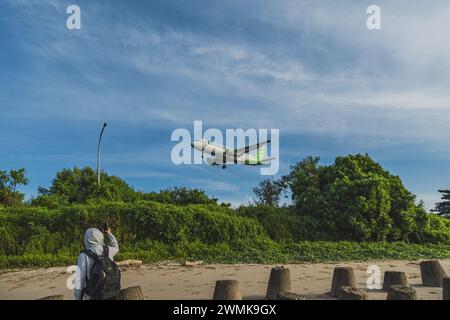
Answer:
(93, 240)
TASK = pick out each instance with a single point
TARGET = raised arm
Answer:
(113, 245)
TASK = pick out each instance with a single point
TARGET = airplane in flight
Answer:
(222, 155)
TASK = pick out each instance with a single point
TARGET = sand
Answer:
(174, 281)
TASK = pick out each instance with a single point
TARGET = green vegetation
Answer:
(9, 181)
(352, 209)
(79, 186)
(354, 199)
(443, 208)
(153, 231)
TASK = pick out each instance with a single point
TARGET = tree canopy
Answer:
(179, 196)
(79, 185)
(9, 182)
(443, 207)
(354, 199)
(268, 192)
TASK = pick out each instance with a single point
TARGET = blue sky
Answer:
(310, 68)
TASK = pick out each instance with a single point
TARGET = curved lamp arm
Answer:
(98, 153)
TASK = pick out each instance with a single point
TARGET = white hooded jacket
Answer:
(94, 241)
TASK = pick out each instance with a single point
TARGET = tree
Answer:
(443, 208)
(355, 199)
(80, 185)
(180, 196)
(9, 182)
(268, 192)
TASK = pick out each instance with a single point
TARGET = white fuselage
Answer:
(222, 155)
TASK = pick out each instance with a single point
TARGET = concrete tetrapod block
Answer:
(432, 273)
(289, 296)
(397, 292)
(446, 288)
(392, 278)
(279, 281)
(348, 293)
(55, 297)
(342, 277)
(131, 293)
(227, 290)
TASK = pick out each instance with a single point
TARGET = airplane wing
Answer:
(247, 149)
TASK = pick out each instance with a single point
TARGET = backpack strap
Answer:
(106, 252)
(90, 254)
(93, 255)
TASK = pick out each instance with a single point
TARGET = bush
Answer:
(284, 225)
(151, 231)
(437, 230)
(32, 229)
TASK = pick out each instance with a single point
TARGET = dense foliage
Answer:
(443, 207)
(151, 231)
(354, 199)
(268, 192)
(179, 196)
(9, 181)
(285, 224)
(80, 186)
(76, 186)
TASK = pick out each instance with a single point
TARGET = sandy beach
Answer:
(174, 281)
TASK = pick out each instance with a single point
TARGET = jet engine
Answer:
(211, 161)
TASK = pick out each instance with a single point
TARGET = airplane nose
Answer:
(192, 144)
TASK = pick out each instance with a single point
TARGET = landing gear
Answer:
(224, 166)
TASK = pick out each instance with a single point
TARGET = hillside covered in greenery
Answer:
(350, 210)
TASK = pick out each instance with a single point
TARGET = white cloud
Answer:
(403, 68)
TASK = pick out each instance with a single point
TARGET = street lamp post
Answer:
(98, 154)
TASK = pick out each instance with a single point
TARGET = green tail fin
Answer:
(260, 153)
